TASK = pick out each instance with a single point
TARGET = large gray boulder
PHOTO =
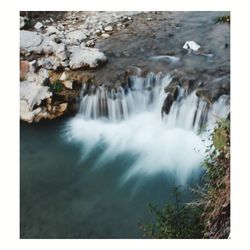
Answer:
(86, 57)
(29, 39)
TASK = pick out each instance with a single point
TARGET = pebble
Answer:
(38, 26)
(108, 28)
(105, 35)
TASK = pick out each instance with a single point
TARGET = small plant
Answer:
(175, 221)
(56, 87)
(222, 19)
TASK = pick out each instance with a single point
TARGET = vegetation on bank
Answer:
(209, 215)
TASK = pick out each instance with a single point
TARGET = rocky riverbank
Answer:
(61, 51)
(50, 52)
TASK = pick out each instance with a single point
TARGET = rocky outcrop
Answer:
(209, 87)
(48, 53)
(31, 94)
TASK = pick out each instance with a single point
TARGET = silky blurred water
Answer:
(64, 197)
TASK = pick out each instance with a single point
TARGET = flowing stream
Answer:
(91, 176)
(97, 171)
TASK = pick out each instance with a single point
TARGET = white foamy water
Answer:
(128, 121)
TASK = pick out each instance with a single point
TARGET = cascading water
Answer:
(127, 120)
(119, 103)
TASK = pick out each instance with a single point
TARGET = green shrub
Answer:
(209, 215)
(174, 221)
(56, 87)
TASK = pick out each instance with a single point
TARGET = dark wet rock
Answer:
(213, 90)
(167, 103)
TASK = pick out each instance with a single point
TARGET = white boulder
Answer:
(38, 78)
(75, 37)
(108, 28)
(26, 114)
(86, 57)
(51, 30)
(38, 26)
(33, 93)
(49, 62)
(29, 39)
(105, 35)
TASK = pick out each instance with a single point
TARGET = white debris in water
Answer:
(191, 45)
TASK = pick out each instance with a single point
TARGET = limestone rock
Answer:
(29, 39)
(90, 43)
(75, 37)
(39, 77)
(51, 30)
(67, 84)
(108, 28)
(33, 93)
(26, 114)
(86, 57)
(63, 76)
(50, 62)
(105, 35)
(38, 26)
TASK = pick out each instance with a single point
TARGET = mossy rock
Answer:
(220, 138)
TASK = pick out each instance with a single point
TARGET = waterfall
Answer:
(118, 103)
(127, 120)
(140, 94)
